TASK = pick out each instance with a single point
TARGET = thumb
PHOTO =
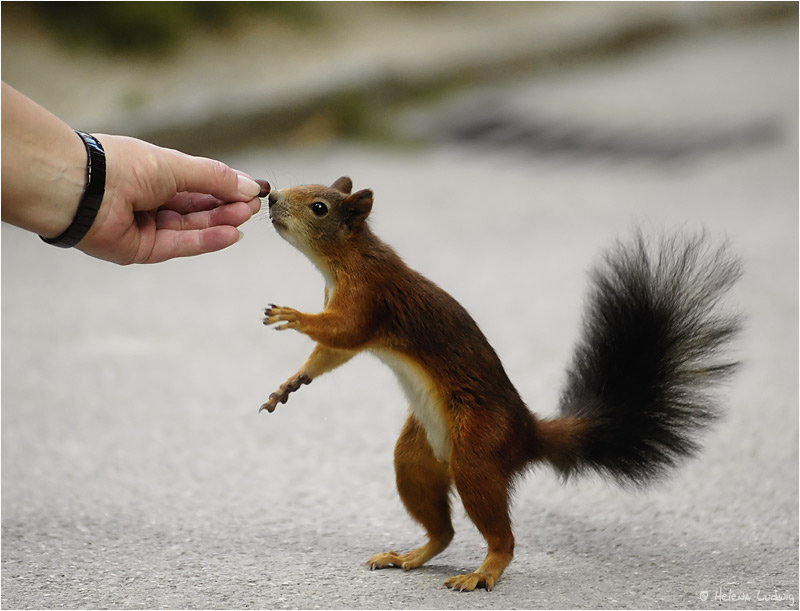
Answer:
(201, 175)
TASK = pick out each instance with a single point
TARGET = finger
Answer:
(170, 244)
(201, 175)
(228, 214)
(196, 202)
(255, 205)
(185, 203)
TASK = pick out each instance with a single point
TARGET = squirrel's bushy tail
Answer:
(640, 385)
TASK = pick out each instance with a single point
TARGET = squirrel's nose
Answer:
(271, 199)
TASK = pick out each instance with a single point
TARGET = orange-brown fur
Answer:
(468, 428)
(377, 303)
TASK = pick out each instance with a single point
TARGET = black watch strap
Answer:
(92, 194)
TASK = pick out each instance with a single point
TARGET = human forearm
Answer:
(43, 166)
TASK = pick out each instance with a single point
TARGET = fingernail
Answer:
(241, 235)
(248, 187)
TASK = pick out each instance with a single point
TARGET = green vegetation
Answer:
(155, 27)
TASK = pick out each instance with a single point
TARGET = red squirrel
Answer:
(637, 391)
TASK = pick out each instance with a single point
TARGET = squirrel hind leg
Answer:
(484, 492)
(423, 483)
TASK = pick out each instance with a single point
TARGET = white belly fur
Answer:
(425, 404)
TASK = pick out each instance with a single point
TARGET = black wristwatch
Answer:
(92, 194)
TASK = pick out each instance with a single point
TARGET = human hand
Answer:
(160, 204)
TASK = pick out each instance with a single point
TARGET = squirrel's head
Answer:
(319, 220)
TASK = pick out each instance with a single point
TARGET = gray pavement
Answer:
(137, 473)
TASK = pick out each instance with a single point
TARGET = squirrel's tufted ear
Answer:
(343, 185)
(357, 208)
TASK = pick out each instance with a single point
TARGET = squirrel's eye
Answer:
(319, 209)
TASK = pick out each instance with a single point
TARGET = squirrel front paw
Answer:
(289, 316)
(282, 394)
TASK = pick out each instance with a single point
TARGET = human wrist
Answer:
(65, 181)
(91, 197)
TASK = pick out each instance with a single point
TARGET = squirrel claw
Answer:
(272, 402)
(270, 405)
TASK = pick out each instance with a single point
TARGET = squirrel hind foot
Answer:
(487, 575)
(413, 559)
(471, 581)
(384, 560)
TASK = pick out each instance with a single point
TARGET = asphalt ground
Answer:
(138, 473)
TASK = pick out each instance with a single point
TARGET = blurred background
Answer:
(508, 144)
(212, 76)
